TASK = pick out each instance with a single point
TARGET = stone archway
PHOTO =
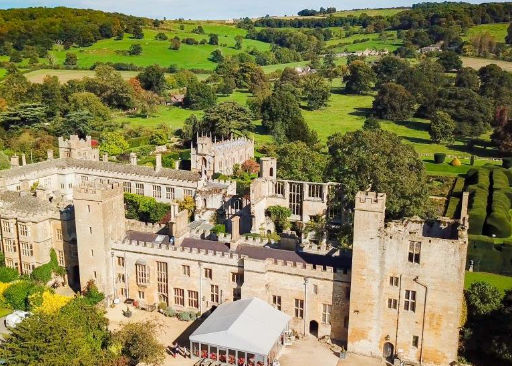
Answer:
(313, 328)
(388, 351)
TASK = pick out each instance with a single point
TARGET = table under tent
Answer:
(246, 332)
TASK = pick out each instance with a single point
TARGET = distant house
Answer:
(432, 48)
(176, 99)
(304, 70)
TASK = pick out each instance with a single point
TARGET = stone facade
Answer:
(77, 148)
(407, 290)
(211, 156)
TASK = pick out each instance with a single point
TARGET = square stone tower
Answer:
(100, 220)
(407, 285)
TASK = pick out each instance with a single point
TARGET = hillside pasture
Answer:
(477, 62)
(498, 30)
(503, 283)
(37, 76)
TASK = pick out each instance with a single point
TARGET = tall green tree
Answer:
(152, 78)
(316, 91)
(450, 60)
(360, 78)
(224, 119)
(139, 344)
(394, 102)
(442, 127)
(298, 161)
(199, 95)
(378, 160)
(389, 68)
(113, 143)
(467, 77)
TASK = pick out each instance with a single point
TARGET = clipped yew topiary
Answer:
(439, 158)
(507, 163)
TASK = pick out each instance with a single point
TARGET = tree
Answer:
(502, 135)
(389, 68)
(467, 77)
(508, 38)
(75, 123)
(175, 44)
(316, 91)
(161, 36)
(496, 84)
(371, 123)
(213, 39)
(51, 95)
(145, 100)
(279, 216)
(15, 56)
(137, 32)
(15, 89)
(224, 119)
(139, 344)
(238, 42)
(471, 112)
(450, 60)
(298, 161)
(85, 101)
(71, 59)
(109, 85)
(153, 79)
(199, 95)
(227, 86)
(378, 160)
(23, 115)
(442, 127)
(360, 78)
(394, 102)
(282, 117)
(216, 56)
(482, 299)
(113, 143)
(8, 274)
(135, 49)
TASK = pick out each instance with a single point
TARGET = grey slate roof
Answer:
(24, 203)
(62, 163)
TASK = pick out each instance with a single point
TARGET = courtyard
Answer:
(304, 352)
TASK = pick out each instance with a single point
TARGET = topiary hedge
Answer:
(507, 163)
(439, 158)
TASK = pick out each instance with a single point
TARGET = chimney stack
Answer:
(105, 158)
(158, 162)
(235, 229)
(15, 161)
(177, 164)
(133, 158)
(50, 154)
(23, 160)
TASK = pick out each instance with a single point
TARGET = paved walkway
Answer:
(308, 352)
(356, 360)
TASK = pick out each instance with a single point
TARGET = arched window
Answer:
(271, 171)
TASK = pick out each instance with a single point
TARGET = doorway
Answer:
(388, 352)
(313, 328)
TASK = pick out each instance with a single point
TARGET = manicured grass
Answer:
(64, 76)
(498, 30)
(4, 312)
(477, 62)
(158, 52)
(2, 72)
(503, 283)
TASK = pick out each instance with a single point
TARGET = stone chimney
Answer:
(49, 154)
(15, 161)
(133, 158)
(158, 162)
(23, 160)
(235, 229)
(177, 164)
(105, 158)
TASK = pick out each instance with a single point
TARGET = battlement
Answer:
(307, 269)
(77, 148)
(95, 191)
(146, 227)
(370, 201)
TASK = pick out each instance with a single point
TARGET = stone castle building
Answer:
(386, 299)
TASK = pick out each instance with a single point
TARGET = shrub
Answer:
(91, 293)
(507, 163)
(44, 272)
(17, 295)
(144, 208)
(456, 162)
(279, 216)
(219, 228)
(498, 221)
(8, 274)
(170, 312)
(184, 316)
(439, 158)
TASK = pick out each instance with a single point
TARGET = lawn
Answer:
(498, 30)
(158, 52)
(503, 283)
(37, 76)
(374, 41)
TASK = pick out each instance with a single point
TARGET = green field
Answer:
(370, 12)
(374, 42)
(498, 30)
(478, 62)
(503, 283)
(158, 52)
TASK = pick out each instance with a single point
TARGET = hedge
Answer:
(458, 187)
(44, 272)
(490, 257)
(453, 207)
(138, 141)
(439, 158)
(498, 222)
(507, 163)
(8, 274)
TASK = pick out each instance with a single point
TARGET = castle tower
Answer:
(268, 168)
(100, 220)
(364, 330)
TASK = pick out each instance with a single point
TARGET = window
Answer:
(179, 296)
(276, 302)
(214, 289)
(60, 257)
(27, 249)
(121, 278)
(279, 188)
(315, 190)
(237, 294)
(296, 196)
(410, 300)
(123, 291)
(18, 188)
(415, 341)
(315, 289)
(127, 187)
(188, 192)
(139, 188)
(62, 186)
(141, 295)
(208, 273)
(120, 261)
(10, 245)
(23, 229)
(186, 270)
(10, 263)
(6, 226)
(95, 274)
(84, 178)
(392, 304)
(414, 251)
(237, 278)
(162, 278)
(326, 313)
(157, 191)
(393, 281)
(59, 234)
(193, 299)
(90, 229)
(299, 308)
(141, 272)
(26, 268)
(92, 252)
(169, 193)
(88, 208)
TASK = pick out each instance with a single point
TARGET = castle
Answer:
(386, 299)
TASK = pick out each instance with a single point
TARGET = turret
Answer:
(268, 168)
